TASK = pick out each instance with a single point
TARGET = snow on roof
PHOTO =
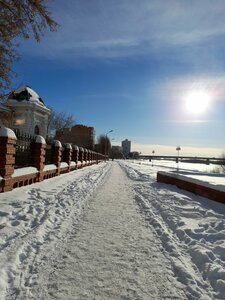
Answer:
(27, 94)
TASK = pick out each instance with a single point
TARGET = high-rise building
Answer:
(126, 147)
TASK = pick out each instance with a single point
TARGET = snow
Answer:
(110, 231)
(40, 140)
(209, 181)
(49, 167)
(63, 165)
(75, 147)
(68, 146)
(34, 96)
(24, 171)
(212, 179)
(57, 143)
(79, 164)
(31, 92)
(6, 132)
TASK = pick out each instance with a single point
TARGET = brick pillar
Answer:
(56, 155)
(89, 156)
(68, 154)
(86, 156)
(75, 154)
(94, 157)
(39, 155)
(7, 157)
(81, 155)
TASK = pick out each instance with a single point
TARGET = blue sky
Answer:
(128, 65)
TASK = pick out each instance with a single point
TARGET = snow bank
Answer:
(198, 179)
(191, 230)
(35, 220)
(204, 189)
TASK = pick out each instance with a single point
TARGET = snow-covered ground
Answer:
(110, 231)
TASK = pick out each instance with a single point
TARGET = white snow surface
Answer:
(7, 132)
(40, 140)
(49, 167)
(110, 231)
(24, 171)
(209, 180)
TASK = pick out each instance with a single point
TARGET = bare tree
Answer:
(116, 153)
(103, 145)
(19, 18)
(58, 121)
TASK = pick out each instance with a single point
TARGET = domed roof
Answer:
(27, 94)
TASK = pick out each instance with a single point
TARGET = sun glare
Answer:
(197, 102)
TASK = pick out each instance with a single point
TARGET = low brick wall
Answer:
(199, 188)
(73, 158)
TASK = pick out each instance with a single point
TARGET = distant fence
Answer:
(188, 159)
(25, 159)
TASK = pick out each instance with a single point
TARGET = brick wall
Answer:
(38, 171)
(194, 187)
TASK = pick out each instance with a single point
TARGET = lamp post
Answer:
(111, 151)
(106, 141)
(178, 149)
(153, 152)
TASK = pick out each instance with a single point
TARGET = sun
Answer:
(197, 102)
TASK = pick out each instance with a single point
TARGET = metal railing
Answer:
(23, 156)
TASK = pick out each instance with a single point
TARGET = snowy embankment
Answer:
(191, 230)
(35, 220)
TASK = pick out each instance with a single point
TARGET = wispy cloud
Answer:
(119, 28)
(187, 121)
(105, 96)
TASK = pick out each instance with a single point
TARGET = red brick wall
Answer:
(195, 188)
(7, 161)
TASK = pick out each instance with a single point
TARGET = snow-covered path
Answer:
(112, 255)
(110, 231)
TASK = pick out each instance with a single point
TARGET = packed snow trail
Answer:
(111, 254)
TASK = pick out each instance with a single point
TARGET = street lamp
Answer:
(111, 151)
(106, 140)
(178, 149)
(153, 152)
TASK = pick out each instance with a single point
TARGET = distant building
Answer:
(81, 135)
(25, 110)
(117, 148)
(126, 147)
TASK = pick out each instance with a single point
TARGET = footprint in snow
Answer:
(3, 214)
